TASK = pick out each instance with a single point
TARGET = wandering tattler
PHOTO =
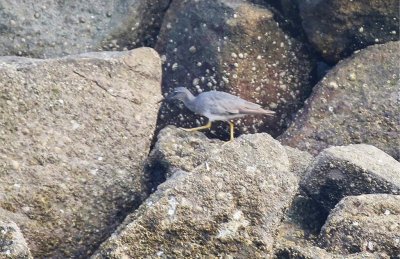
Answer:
(216, 106)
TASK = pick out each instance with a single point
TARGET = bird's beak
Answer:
(160, 101)
(168, 98)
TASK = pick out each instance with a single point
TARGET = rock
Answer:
(229, 205)
(74, 134)
(337, 28)
(236, 47)
(58, 28)
(303, 220)
(350, 170)
(299, 161)
(293, 251)
(364, 223)
(12, 242)
(176, 149)
(356, 102)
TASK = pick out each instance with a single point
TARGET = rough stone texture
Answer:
(230, 205)
(237, 47)
(74, 134)
(364, 223)
(337, 28)
(292, 251)
(57, 28)
(12, 242)
(299, 161)
(350, 170)
(175, 149)
(356, 102)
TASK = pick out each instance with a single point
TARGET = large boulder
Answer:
(364, 223)
(58, 28)
(356, 102)
(12, 242)
(236, 47)
(231, 204)
(74, 134)
(337, 28)
(350, 170)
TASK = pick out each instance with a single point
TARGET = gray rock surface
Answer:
(231, 204)
(337, 28)
(356, 102)
(43, 29)
(74, 134)
(299, 161)
(292, 251)
(236, 47)
(364, 223)
(12, 242)
(351, 170)
(176, 149)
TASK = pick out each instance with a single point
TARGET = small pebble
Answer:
(333, 85)
(15, 165)
(192, 49)
(195, 81)
(352, 77)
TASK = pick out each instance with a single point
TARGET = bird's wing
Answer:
(224, 103)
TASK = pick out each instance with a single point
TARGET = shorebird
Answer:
(217, 106)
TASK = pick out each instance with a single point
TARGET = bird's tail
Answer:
(257, 111)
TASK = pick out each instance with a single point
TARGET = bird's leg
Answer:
(231, 126)
(207, 126)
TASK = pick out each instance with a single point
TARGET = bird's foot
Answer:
(207, 126)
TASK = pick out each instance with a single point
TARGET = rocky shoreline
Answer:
(93, 165)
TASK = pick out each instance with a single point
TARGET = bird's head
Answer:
(179, 93)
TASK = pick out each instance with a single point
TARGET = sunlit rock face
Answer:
(220, 199)
(74, 133)
(237, 47)
(356, 102)
(362, 223)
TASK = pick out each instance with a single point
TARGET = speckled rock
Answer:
(74, 134)
(364, 223)
(356, 102)
(299, 161)
(236, 47)
(350, 170)
(293, 251)
(337, 28)
(12, 242)
(229, 205)
(57, 28)
(175, 149)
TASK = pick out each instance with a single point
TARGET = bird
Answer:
(216, 106)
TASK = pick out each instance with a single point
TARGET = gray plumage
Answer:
(216, 105)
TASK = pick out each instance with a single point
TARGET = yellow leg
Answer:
(207, 126)
(231, 126)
